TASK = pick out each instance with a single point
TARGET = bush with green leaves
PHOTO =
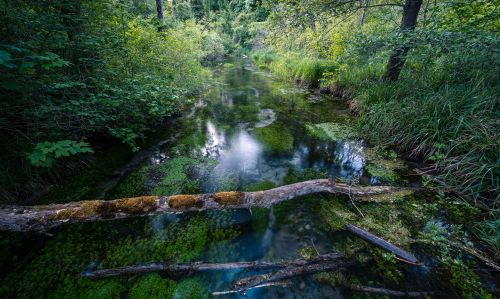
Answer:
(92, 71)
(45, 153)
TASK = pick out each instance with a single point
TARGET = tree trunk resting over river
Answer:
(204, 267)
(44, 217)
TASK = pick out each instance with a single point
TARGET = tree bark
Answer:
(397, 59)
(203, 267)
(377, 241)
(44, 217)
(247, 283)
(159, 10)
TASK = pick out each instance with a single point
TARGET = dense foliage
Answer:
(95, 72)
(85, 84)
(444, 108)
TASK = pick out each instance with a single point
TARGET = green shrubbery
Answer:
(444, 107)
(72, 71)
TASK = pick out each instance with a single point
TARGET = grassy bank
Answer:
(431, 116)
(451, 124)
(304, 70)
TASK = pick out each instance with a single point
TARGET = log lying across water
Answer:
(203, 267)
(44, 217)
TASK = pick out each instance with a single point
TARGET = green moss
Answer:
(275, 138)
(382, 173)
(295, 176)
(466, 282)
(383, 164)
(85, 288)
(132, 185)
(191, 288)
(174, 243)
(382, 219)
(180, 175)
(260, 220)
(259, 186)
(332, 131)
(387, 266)
(152, 286)
(219, 181)
(57, 262)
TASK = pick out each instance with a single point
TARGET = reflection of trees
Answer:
(350, 157)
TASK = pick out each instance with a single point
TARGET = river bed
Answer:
(246, 132)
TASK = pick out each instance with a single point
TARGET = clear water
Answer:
(228, 117)
(254, 129)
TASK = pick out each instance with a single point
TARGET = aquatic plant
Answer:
(179, 175)
(333, 131)
(275, 138)
(152, 286)
(130, 186)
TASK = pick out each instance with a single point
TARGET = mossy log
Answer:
(187, 268)
(44, 217)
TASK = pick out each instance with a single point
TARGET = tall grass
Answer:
(450, 121)
(453, 124)
(304, 70)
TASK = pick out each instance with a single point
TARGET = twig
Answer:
(265, 285)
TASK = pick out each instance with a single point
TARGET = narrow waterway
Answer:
(246, 132)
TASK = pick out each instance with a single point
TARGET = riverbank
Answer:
(450, 127)
(453, 125)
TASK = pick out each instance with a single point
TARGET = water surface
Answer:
(246, 132)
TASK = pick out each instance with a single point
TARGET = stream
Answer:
(247, 132)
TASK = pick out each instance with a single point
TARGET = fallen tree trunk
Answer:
(201, 267)
(45, 217)
(377, 241)
(284, 274)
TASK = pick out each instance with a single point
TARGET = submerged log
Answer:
(251, 282)
(386, 292)
(377, 241)
(44, 217)
(202, 267)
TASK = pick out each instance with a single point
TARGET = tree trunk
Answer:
(159, 10)
(174, 10)
(188, 268)
(45, 217)
(363, 14)
(398, 56)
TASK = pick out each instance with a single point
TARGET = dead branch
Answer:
(247, 283)
(203, 267)
(377, 241)
(44, 217)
